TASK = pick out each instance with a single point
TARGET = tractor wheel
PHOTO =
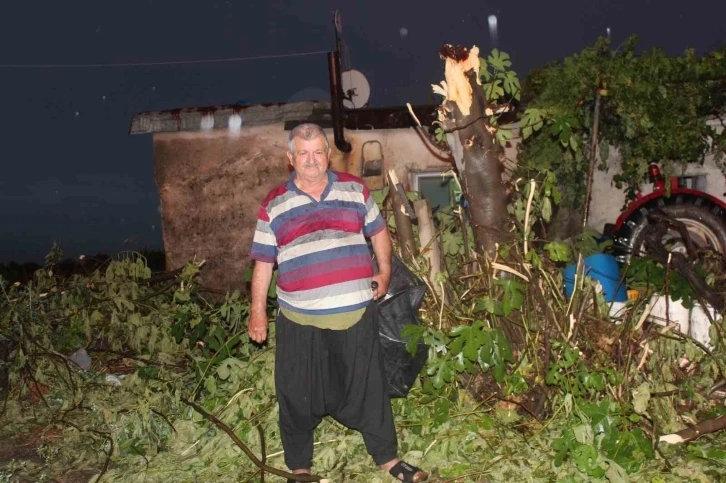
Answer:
(705, 221)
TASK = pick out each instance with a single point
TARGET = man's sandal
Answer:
(410, 473)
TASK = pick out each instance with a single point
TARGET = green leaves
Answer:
(442, 373)
(272, 290)
(641, 396)
(565, 128)
(499, 60)
(558, 251)
(512, 294)
(502, 134)
(510, 82)
(228, 367)
(588, 242)
(502, 302)
(646, 274)
(603, 443)
(493, 90)
(452, 243)
(413, 334)
(654, 108)
(546, 209)
(477, 344)
(532, 121)
(586, 458)
(573, 376)
(498, 80)
(534, 200)
(629, 449)
(380, 195)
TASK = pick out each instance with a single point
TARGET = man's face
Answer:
(309, 158)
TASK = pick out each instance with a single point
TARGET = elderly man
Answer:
(328, 356)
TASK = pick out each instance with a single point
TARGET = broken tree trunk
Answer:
(464, 117)
(429, 243)
(404, 227)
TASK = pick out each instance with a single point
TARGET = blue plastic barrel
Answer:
(603, 268)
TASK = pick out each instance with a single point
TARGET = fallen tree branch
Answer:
(685, 337)
(260, 464)
(263, 451)
(163, 276)
(105, 436)
(655, 232)
(689, 434)
(155, 294)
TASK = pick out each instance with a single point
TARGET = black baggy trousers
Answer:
(320, 372)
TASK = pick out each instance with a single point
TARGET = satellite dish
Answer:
(356, 89)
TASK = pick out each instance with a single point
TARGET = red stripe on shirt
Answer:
(324, 279)
(308, 227)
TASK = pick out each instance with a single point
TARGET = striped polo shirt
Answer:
(324, 265)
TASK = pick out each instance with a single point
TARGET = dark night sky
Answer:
(72, 173)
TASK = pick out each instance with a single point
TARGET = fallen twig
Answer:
(263, 451)
(260, 464)
(507, 269)
(532, 185)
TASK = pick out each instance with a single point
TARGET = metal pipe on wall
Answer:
(336, 102)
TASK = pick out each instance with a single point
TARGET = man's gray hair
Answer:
(306, 132)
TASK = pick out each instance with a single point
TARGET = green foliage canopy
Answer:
(655, 109)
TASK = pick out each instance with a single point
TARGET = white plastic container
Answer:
(694, 323)
(617, 311)
(677, 313)
(700, 323)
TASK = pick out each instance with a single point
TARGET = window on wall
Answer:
(697, 182)
(438, 188)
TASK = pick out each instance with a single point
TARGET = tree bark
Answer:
(593, 156)
(465, 118)
(404, 228)
(429, 243)
(689, 434)
(476, 153)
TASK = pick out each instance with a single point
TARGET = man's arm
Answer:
(261, 278)
(382, 248)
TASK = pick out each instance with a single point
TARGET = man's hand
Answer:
(382, 289)
(261, 277)
(382, 248)
(258, 327)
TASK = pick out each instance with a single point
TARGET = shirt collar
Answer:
(332, 177)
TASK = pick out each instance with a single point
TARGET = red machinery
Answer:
(703, 215)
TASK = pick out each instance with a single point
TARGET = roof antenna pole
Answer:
(336, 92)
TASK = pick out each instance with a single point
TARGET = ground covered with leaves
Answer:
(124, 375)
(156, 344)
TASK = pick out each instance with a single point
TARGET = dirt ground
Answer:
(24, 448)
